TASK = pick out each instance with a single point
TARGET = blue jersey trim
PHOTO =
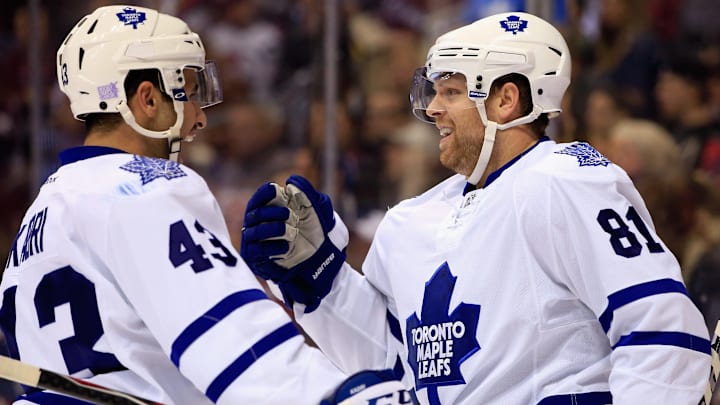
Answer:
(585, 398)
(637, 292)
(8, 316)
(42, 397)
(234, 370)
(494, 175)
(77, 153)
(398, 368)
(394, 326)
(679, 339)
(209, 319)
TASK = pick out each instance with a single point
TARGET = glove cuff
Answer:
(371, 387)
(309, 282)
(339, 234)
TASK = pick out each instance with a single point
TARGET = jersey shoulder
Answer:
(569, 173)
(125, 175)
(577, 160)
(450, 188)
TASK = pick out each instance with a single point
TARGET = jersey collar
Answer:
(494, 175)
(77, 153)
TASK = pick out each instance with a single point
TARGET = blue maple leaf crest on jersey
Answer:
(514, 24)
(440, 341)
(152, 168)
(130, 16)
(586, 154)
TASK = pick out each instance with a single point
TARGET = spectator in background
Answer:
(603, 109)
(682, 104)
(704, 268)
(250, 45)
(625, 53)
(244, 149)
(649, 155)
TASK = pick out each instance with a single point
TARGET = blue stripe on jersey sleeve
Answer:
(636, 292)
(585, 398)
(394, 326)
(679, 339)
(234, 370)
(210, 318)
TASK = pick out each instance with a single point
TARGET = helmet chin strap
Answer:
(485, 152)
(491, 128)
(172, 134)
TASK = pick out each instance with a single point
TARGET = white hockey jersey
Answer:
(547, 286)
(123, 273)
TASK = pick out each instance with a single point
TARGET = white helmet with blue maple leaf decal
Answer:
(98, 53)
(488, 49)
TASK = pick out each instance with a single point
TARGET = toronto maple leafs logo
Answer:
(150, 169)
(131, 16)
(514, 24)
(586, 154)
(440, 341)
(108, 91)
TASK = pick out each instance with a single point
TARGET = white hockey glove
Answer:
(293, 237)
(371, 388)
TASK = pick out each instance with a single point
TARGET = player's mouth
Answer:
(445, 136)
(191, 135)
(445, 131)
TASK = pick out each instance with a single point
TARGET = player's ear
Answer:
(508, 102)
(146, 99)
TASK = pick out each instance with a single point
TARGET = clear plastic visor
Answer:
(203, 85)
(442, 91)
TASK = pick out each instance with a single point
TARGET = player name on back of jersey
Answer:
(29, 240)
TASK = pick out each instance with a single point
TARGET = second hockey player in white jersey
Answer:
(532, 276)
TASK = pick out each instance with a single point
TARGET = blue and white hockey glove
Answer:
(293, 237)
(371, 387)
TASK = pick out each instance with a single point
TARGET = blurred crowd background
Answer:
(645, 92)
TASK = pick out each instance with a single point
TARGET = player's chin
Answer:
(447, 161)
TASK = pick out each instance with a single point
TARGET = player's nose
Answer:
(200, 117)
(434, 109)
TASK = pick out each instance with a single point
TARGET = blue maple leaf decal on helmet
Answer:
(440, 341)
(586, 154)
(514, 24)
(152, 168)
(130, 16)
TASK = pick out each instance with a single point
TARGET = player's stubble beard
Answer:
(460, 153)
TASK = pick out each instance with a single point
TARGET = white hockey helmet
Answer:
(490, 48)
(104, 46)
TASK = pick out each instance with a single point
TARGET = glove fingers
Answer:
(268, 270)
(269, 230)
(265, 214)
(266, 194)
(256, 252)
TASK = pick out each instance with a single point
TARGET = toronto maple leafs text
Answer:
(435, 347)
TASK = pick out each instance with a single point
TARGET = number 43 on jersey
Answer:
(184, 248)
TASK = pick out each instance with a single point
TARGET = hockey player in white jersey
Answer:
(532, 276)
(122, 272)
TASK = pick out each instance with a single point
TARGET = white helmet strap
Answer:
(172, 134)
(485, 152)
(491, 128)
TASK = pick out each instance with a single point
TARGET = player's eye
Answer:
(193, 94)
(448, 92)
